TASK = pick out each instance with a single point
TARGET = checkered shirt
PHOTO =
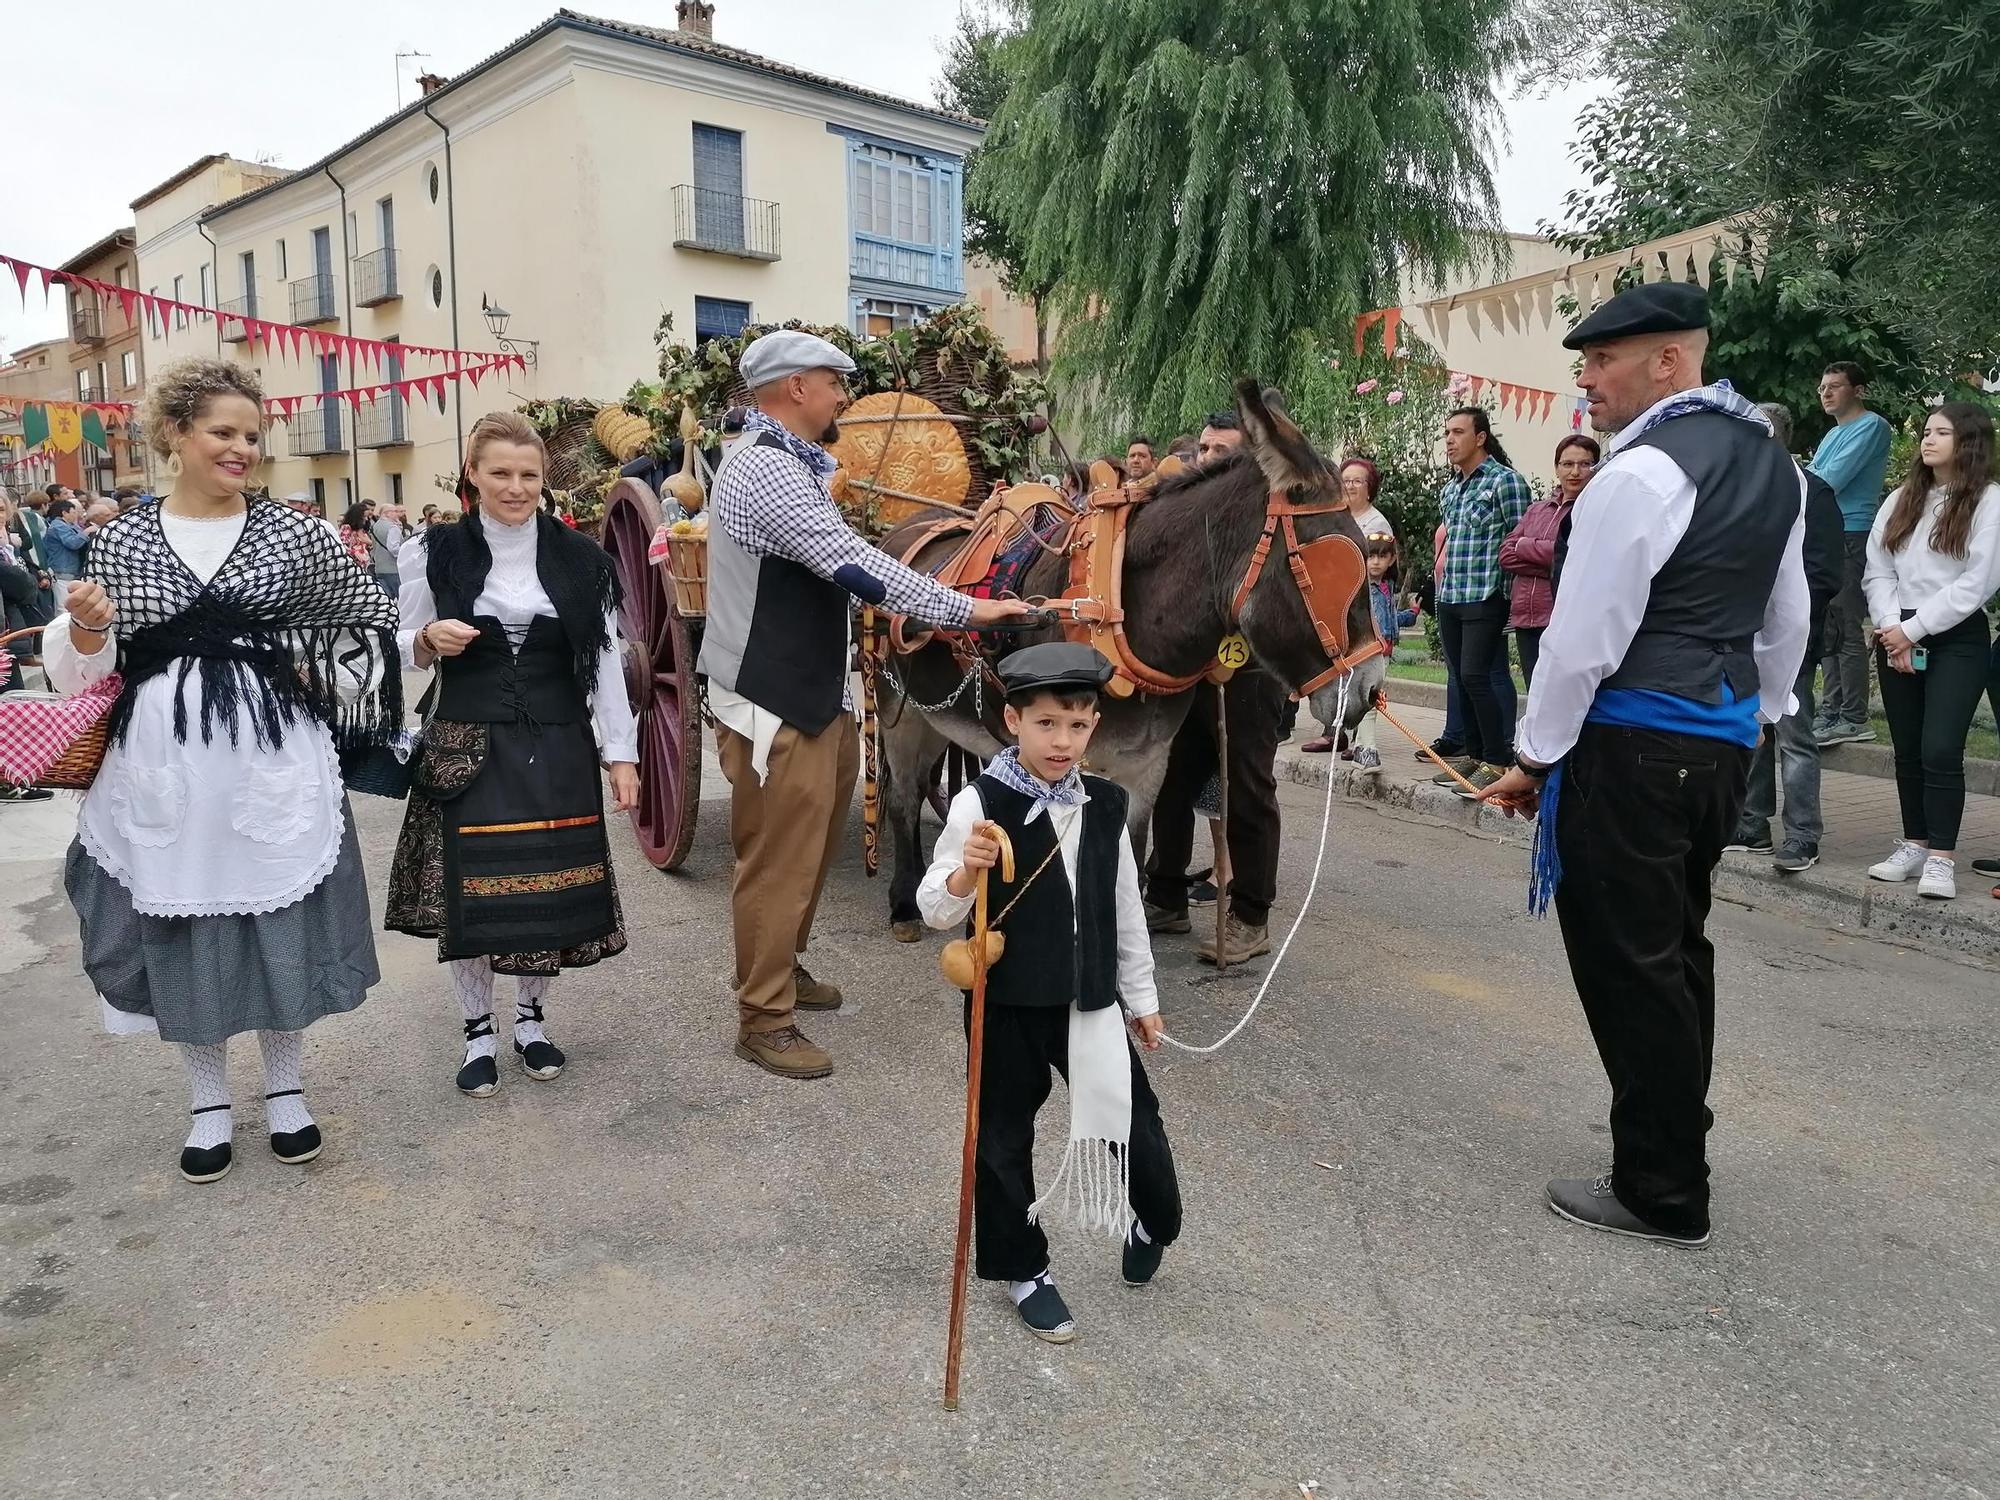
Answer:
(35, 730)
(1478, 510)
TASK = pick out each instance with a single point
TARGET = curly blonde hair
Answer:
(179, 394)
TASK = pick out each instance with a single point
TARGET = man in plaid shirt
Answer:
(1480, 504)
(782, 567)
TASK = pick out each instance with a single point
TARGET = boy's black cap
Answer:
(1058, 666)
(1657, 307)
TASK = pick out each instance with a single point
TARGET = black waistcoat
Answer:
(1707, 603)
(491, 683)
(1060, 948)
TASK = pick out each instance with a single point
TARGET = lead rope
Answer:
(1319, 863)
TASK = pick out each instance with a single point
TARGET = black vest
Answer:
(795, 651)
(1707, 604)
(491, 683)
(1058, 949)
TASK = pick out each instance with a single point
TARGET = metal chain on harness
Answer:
(973, 679)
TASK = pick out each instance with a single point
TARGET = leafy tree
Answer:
(1208, 189)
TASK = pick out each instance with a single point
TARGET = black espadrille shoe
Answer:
(481, 1075)
(207, 1163)
(1141, 1259)
(294, 1147)
(1046, 1314)
(540, 1059)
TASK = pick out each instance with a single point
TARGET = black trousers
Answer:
(1023, 1042)
(1254, 703)
(1640, 827)
(20, 607)
(1528, 641)
(1929, 713)
(1475, 642)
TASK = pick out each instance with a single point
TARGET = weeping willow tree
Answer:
(1210, 188)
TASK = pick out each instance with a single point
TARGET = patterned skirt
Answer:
(503, 850)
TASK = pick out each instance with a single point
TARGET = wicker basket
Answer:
(687, 565)
(568, 449)
(76, 768)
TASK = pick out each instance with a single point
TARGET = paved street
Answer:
(668, 1274)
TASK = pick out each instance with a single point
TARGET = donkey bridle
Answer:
(1340, 572)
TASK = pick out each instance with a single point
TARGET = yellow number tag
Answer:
(1233, 653)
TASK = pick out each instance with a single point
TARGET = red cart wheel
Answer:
(659, 680)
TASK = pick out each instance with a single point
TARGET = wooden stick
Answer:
(894, 494)
(915, 416)
(871, 792)
(975, 1042)
(1223, 874)
(1382, 708)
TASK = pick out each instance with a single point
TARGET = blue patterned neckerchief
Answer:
(1006, 768)
(1544, 863)
(811, 455)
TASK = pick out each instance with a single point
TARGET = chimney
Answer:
(430, 83)
(696, 18)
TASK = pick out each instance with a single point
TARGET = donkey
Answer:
(1187, 549)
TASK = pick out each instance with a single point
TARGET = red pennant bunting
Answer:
(1392, 320)
(20, 270)
(128, 298)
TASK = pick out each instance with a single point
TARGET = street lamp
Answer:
(496, 319)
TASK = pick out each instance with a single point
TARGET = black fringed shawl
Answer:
(573, 570)
(288, 603)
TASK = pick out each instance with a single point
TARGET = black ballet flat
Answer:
(293, 1147)
(207, 1163)
(540, 1060)
(481, 1075)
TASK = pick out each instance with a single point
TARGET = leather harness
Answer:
(1328, 570)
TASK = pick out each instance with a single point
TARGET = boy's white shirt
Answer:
(941, 909)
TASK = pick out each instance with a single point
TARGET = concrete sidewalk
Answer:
(1862, 825)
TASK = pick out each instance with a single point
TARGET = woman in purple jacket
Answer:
(1528, 556)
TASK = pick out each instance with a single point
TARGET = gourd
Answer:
(685, 487)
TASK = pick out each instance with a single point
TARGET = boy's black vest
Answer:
(1061, 947)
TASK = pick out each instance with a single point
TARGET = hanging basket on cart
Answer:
(52, 740)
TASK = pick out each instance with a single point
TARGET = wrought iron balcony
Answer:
(376, 278)
(245, 306)
(312, 300)
(314, 433)
(725, 223)
(86, 319)
(383, 423)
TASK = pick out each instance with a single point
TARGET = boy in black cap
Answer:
(1076, 952)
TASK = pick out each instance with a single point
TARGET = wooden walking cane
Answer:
(1224, 870)
(975, 1043)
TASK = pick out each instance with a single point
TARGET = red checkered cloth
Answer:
(36, 728)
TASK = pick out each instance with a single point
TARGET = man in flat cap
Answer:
(1680, 622)
(782, 565)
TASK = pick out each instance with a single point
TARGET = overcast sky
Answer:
(111, 99)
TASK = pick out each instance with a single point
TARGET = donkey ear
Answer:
(1274, 440)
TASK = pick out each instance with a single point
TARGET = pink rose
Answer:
(1365, 387)
(1394, 398)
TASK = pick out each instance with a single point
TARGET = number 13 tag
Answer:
(1233, 653)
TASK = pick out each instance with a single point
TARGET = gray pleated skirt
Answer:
(202, 980)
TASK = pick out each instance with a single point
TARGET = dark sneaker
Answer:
(1750, 838)
(1047, 1315)
(1842, 732)
(1986, 866)
(1590, 1202)
(1141, 1259)
(1445, 750)
(1481, 779)
(30, 794)
(1796, 857)
(785, 1052)
(1163, 919)
(1465, 765)
(1241, 942)
(1367, 762)
(813, 994)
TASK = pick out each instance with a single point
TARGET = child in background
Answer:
(1076, 952)
(1390, 622)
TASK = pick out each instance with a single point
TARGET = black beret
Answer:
(1657, 307)
(1060, 666)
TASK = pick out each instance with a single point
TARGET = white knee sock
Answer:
(284, 1053)
(528, 992)
(472, 978)
(208, 1080)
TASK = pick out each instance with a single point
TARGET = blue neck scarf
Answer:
(811, 455)
(1006, 768)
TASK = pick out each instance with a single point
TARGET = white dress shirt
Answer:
(1624, 527)
(513, 595)
(1942, 589)
(1135, 950)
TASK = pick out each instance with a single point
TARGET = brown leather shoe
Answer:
(813, 994)
(784, 1052)
(1241, 942)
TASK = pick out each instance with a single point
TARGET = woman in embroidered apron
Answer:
(503, 856)
(215, 870)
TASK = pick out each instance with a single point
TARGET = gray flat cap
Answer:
(787, 351)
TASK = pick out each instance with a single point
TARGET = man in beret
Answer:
(1680, 622)
(782, 566)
